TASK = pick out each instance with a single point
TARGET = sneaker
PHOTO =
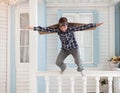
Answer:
(63, 69)
(80, 69)
(82, 73)
(61, 72)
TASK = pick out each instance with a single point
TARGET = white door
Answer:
(22, 49)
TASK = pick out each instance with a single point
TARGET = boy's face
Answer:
(63, 27)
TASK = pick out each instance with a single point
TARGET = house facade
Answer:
(28, 58)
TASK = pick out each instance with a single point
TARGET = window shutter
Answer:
(22, 49)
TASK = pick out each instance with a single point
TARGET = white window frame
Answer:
(8, 50)
(19, 10)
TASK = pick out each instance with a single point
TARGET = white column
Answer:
(72, 84)
(97, 84)
(33, 5)
(59, 84)
(8, 49)
(111, 32)
(47, 84)
(84, 84)
(110, 84)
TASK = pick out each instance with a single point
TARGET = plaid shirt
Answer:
(67, 38)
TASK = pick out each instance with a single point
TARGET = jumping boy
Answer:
(67, 37)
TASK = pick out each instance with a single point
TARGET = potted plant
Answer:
(104, 84)
(103, 81)
(115, 60)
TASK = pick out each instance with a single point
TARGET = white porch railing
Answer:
(97, 74)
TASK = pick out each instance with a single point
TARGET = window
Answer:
(87, 40)
(24, 38)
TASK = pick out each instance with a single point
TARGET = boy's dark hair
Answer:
(63, 21)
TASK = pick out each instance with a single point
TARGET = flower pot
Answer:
(104, 88)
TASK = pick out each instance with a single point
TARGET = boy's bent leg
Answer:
(75, 53)
(60, 60)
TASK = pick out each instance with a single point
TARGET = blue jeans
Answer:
(63, 54)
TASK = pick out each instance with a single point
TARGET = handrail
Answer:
(73, 73)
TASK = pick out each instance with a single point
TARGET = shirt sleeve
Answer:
(45, 29)
(83, 27)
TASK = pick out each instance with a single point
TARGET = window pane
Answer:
(84, 38)
(24, 54)
(24, 20)
(24, 37)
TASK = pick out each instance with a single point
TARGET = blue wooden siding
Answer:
(42, 48)
(12, 52)
(117, 29)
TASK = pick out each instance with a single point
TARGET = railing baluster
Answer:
(84, 84)
(72, 84)
(59, 84)
(97, 84)
(47, 84)
(96, 74)
(110, 84)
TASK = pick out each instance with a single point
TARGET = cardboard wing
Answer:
(56, 25)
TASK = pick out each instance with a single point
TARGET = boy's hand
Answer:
(98, 24)
(30, 28)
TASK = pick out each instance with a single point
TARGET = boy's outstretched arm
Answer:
(41, 31)
(98, 24)
(30, 27)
